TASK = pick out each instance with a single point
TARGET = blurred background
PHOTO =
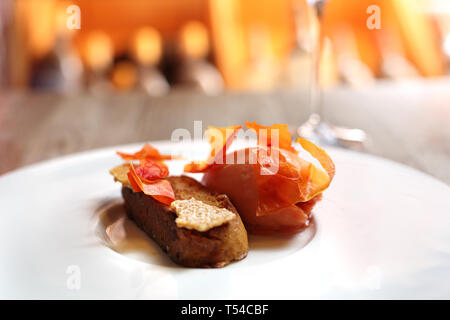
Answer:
(135, 70)
(216, 45)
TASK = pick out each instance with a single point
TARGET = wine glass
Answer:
(316, 128)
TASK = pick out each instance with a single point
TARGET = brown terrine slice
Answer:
(215, 247)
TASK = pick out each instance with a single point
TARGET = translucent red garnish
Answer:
(159, 189)
(147, 152)
(149, 175)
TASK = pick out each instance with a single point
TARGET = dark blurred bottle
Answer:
(147, 52)
(99, 54)
(195, 70)
(60, 69)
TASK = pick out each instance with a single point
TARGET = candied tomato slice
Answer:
(160, 189)
(150, 170)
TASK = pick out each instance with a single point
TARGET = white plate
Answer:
(381, 231)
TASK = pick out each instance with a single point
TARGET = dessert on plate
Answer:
(196, 227)
(272, 186)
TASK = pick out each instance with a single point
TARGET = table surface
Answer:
(408, 122)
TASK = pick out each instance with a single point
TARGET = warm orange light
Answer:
(124, 76)
(147, 46)
(98, 50)
(194, 40)
(39, 22)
